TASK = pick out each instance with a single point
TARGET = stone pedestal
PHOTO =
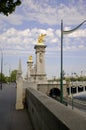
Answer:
(19, 94)
(19, 89)
(40, 62)
(29, 69)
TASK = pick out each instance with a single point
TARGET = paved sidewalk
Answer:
(10, 119)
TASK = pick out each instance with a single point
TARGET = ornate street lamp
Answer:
(61, 76)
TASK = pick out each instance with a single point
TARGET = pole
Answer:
(61, 78)
(74, 29)
(72, 99)
(1, 67)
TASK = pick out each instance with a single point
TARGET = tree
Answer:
(2, 77)
(7, 79)
(8, 6)
(13, 75)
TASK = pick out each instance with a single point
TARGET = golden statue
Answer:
(30, 58)
(41, 38)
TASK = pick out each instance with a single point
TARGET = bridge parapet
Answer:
(78, 83)
(48, 114)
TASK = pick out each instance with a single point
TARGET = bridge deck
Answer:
(10, 119)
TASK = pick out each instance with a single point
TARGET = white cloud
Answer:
(50, 32)
(67, 28)
(46, 13)
(54, 40)
(81, 46)
(58, 33)
(13, 19)
(78, 33)
(22, 40)
(43, 12)
(67, 48)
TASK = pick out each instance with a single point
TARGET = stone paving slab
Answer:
(11, 119)
(20, 120)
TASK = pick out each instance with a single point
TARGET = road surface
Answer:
(10, 119)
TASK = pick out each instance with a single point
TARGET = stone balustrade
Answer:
(48, 114)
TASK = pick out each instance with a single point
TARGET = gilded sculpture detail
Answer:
(41, 38)
(30, 58)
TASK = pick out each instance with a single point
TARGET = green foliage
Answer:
(78, 78)
(11, 78)
(8, 6)
(2, 77)
(7, 79)
(82, 78)
(13, 75)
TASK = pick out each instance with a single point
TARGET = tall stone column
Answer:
(40, 62)
(29, 67)
(19, 89)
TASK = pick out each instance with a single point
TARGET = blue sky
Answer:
(19, 33)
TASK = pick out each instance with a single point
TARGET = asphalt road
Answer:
(10, 119)
(77, 104)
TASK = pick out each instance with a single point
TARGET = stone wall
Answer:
(45, 88)
(48, 114)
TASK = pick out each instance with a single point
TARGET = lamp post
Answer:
(1, 67)
(61, 80)
(61, 74)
